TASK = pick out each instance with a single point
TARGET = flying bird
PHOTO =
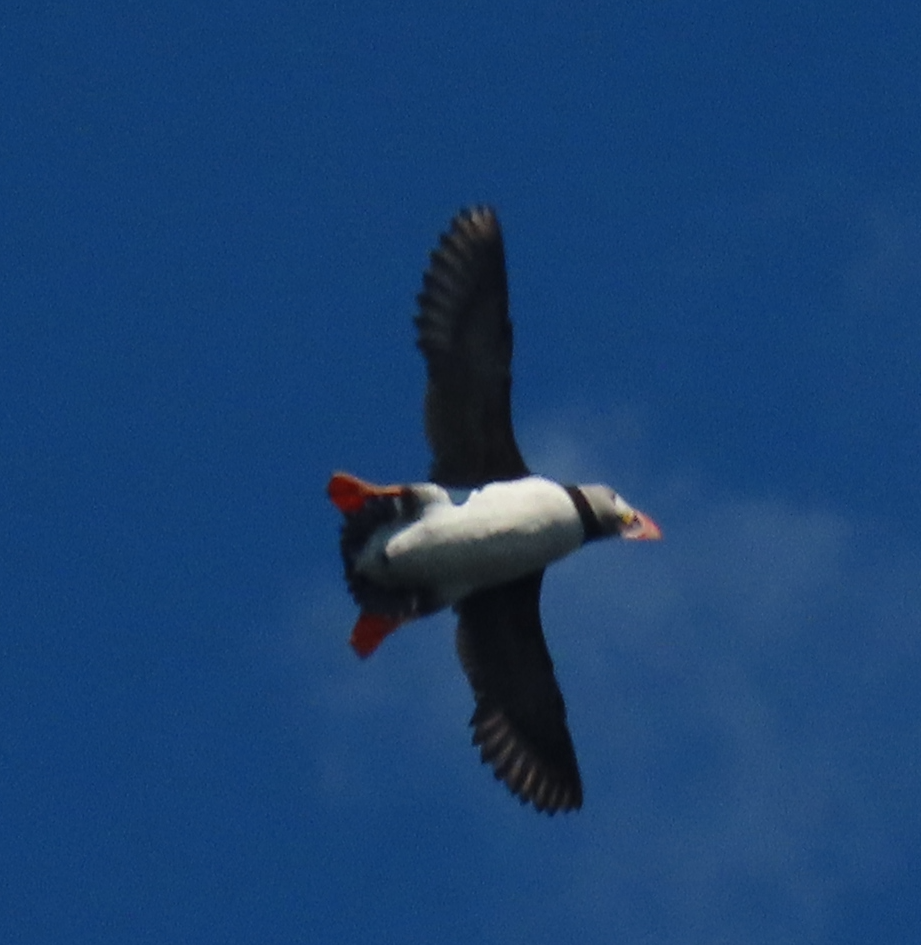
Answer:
(478, 535)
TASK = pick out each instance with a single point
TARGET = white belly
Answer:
(501, 532)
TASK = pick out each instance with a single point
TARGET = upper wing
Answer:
(466, 336)
(520, 719)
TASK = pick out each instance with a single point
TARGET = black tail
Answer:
(400, 603)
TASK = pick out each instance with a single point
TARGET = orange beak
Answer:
(642, 529)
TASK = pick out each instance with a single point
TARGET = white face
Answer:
(613, 512)
(624, 511)
(628, 519)
(616, 516)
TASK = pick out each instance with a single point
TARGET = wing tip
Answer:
(476, 222)
(549, 788)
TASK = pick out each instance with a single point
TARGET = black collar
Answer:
(591, 527)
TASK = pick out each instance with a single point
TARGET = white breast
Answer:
(501, 532)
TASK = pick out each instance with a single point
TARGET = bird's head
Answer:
(616, 517)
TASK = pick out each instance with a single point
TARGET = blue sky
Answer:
(215, 219)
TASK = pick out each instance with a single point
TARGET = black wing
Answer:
(520, 719)
(466, 336)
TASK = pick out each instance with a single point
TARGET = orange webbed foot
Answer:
(349, 493)
(369, 632)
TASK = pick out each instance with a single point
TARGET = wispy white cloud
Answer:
(747, 655)
(615, 436)
(734, 694)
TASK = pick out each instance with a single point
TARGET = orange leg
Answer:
(349, 493)
(369, 632)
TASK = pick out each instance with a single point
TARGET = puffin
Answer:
(478, 535)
